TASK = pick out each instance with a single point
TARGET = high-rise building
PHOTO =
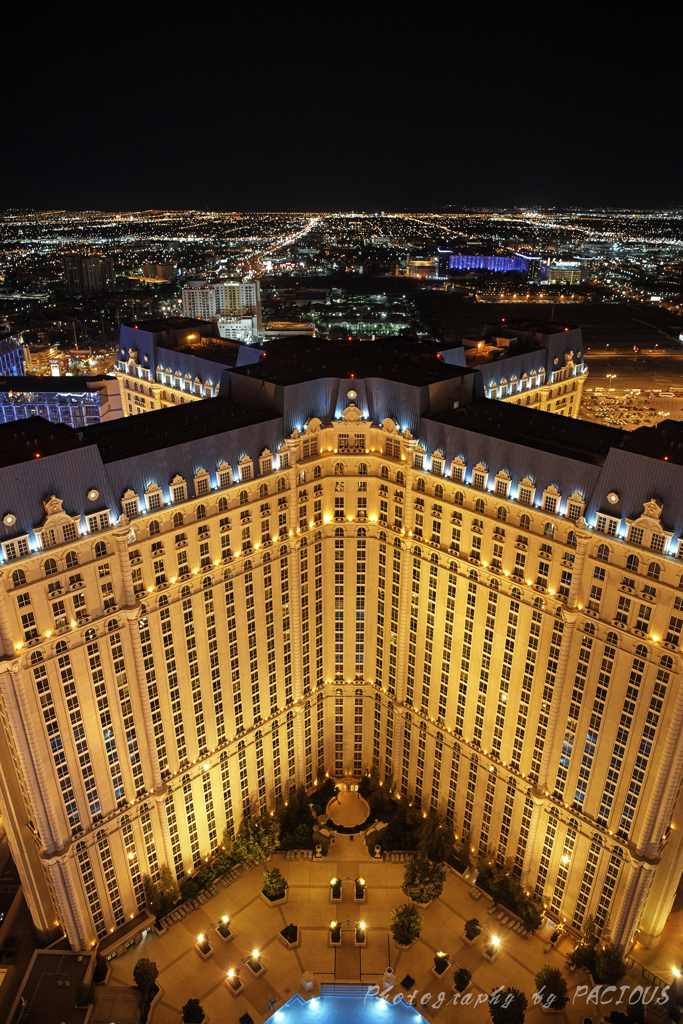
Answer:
(84, 275)
(331, 568)
(11, 353)
(76, 401)
(234, 298)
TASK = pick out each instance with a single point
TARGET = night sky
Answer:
(371, 107)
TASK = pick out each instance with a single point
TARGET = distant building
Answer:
(163, 363)
(235, 298)
(565, 273)
(160, 271)
(11, 352)
(530, 362)
(502, 264)
(284, 329)
(424, 267)
(76, 401)
(85, 275)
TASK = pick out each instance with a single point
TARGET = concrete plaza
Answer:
(184, 975)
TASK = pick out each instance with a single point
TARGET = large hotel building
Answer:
(350, 559)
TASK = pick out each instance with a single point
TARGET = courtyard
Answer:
(183, 974)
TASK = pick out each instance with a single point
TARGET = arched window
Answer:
(263, 491)
(186, 591)
(362, 469)
(416, 551)
(632, 563)
(421, 485)
(281, 483)
(89, 635)
(479, 506)
(223, 504)
(667, 662)
(453, 566)
(474, 575)
(502, 513)
(178, 520)
(339, 469)
(525, 522)
(206, 582)
(302, 476)
(588, 627)
(339, 532)
(494, 583)
(571, 539)
(603, 552)
(50, 567)
(641, 651)
(459, 498)
(18, 578)
(434, 559)
(112, 625)
(612, 638)
(516, 593)
(382, 536)
(36, 657)
(653, 570)
(384, 473)
(163, 600)
(201, 511)
(72, 557)
(400, 478)
(438, 491)
(317, 472)
(100, 549)
(539, 602)
(361, 532)
(247, 565)
(549, 530)
(243, 497)
(154, 528)
(60, 647)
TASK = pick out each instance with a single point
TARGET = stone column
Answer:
(661, 800)
(619, 922)
(397, 758)
(143, 695)
(299, 747)
(582, 539)
(632, 907)
(121, 537)
(5, 629)
(569, 619)
(165, 830)
(75, 898)
(31, 759)
(295, 617)
(531, 839)
(67, 911)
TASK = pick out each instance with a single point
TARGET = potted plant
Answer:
(461, 979)
(359, 896)
(492, 948)
(551, 986)
(254, 964)
(406, 925)
(233, 982)
(193, 1012)
(203, 947)
(335, 890)
(289, 936)
(423, 881)
(335, 933)
(472, 930)
(441, 963)
(274, 889)
(360, 933)
(223, 928)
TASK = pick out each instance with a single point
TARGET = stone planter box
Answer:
(467, 986)
(440, 974)
(227, 937)
(205, 951)
(360, 937)
(335, 937)
(335, 895)
(470, 942)
(256, 967)
(205, 1019)
(234, 986)
(401, 946)
(423, 906)
(359, 894)
(287, 943)
(158, 931)
(549, 1011)
(274, 901)
(491, 952)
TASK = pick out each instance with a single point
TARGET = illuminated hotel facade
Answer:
(347, 561)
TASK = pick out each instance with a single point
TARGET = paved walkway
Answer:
(183, 975)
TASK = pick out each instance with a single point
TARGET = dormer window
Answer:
(15, 548)
(224, 473)
(551, 499)
(526, 492)
(202, 483)
(607, 524)
(437, 463)
(265, 462)
(246, 468)
(178, 490)
(130, 504)
(458, 467)
(575, 507)
(153, 497)
(418, 460)
(480, 476)
(502, 488)
(309, 447)
(98, 521)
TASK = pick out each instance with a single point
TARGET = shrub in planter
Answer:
(406, 924)
(440, 962)
(509, 1007)
(552, 987)
(336, 888)
(472, 928)
(224, 927)
(335, 932)
(609, 966)
(100, 969)
(206, 877)
(423, 881)
(189, 889)
(274, 884)
(193, 1012)
(290, 933)
(85, 994)
(145, 973)
(462, 978)
(360, 888)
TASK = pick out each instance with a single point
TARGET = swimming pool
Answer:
(336, 1009)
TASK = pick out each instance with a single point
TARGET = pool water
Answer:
(341, 1009)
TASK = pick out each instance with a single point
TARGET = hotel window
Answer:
(265, 463)
(178, 490)
(606, 524)
(98, 521)
(246, 469)
(153, 497)
(658, 542)
(574, 511)
(201, 483)
(130, 504)
(224, 475)
(635, 535)
(526, 495)
(418, 460)
(550, 503)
